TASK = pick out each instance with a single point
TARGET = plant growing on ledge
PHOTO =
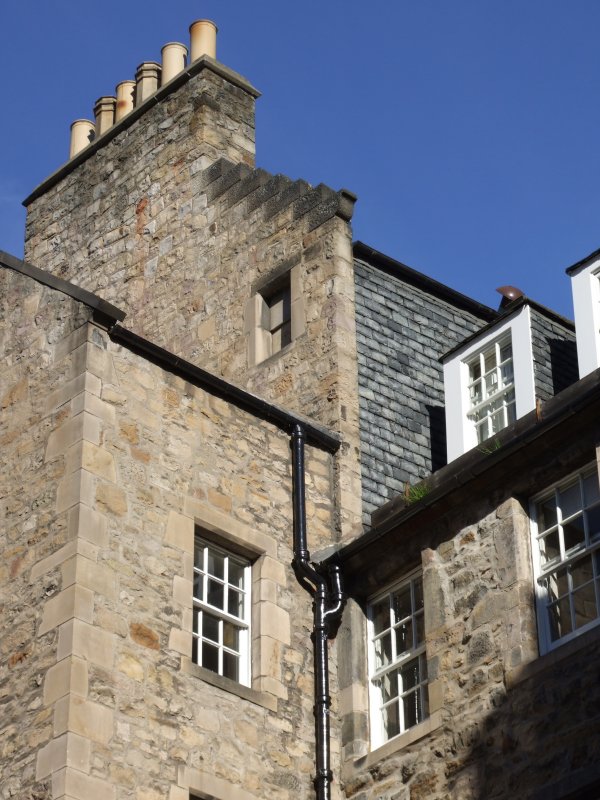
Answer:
(487, 448)
(412, 494)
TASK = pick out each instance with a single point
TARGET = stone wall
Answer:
(173, 224)
(504, 722)
(115, 462)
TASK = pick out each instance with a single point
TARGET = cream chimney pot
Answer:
(147, 78)
(203, 39)
(173, 60)
(81, 134)
(104, 112)
(125, 91)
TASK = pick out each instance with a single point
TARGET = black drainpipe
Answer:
(328, 603)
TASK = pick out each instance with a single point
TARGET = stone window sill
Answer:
(227, 685)
(399, 742)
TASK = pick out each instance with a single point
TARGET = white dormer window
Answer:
(489, 382)
(492, 389)
(585, 284)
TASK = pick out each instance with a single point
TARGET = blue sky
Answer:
(468, 129)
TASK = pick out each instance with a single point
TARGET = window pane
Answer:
(197, 620)
(198, 585)
(210, 657)
(590, 489)
(381, 616)
(573, 533)
(404, 638)
(210, 627)
(214, 595)
(557, 584)
(216, 564)
(401, 604)
(410, 674)
(584, 605)
(505, 351)
(199, 556)
(593, 521)
(475, 393)
(546, 514)
(231, 636)
(231, 666)
(420, 629)
(582, 572)
(389, 685)
(570, 500)
(418, 593)
(475, 370)
(236, 603)
(391, 721)
(383, 650)
(550, 547)
(412, 709)
(489, 360)
(559, 615)
(236, 574)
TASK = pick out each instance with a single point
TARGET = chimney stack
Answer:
(173, 60)
(104, 112)
(147, 78)
(125, 91)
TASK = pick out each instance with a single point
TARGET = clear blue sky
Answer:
(468, 129)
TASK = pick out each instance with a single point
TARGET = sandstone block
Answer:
(180, 532)
(75, 601)
(89, 642)
(84, 717)
(69, 675)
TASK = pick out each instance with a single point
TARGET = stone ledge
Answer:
(411, 736)
(227, 685)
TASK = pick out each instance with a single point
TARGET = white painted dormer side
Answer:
(461, 425)
(585, 285)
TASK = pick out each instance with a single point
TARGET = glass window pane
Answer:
(511, 412)
(231, 636)
(581, 572)
(475, 370)
(420, 629)
(388, 685)
(573, 533)
(383, 650)
(236, 603)
(381, 616)
(591, 492)
(210, 657)
(418, 593)
(410, 674)
(401, 603)
(391, 721)
(489, 360)
(198, 585)
(404, 638)
(215, 594)
(593, 522)
(475, 393)
(570, 500)
(505, 351)
(199, 556)
(197, 617)
(412, 709)
(584, 605)
(231, 666)
(210, 627)
(216, 564)
(546, 514)
(550, 547)
(559, 615)
(236, 574)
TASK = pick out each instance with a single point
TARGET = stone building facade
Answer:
(179, 313)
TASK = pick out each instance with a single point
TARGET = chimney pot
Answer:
(147, 78)
(104, 112)
(125, 91)
(203, 39)
(81, 135)
(173, 60)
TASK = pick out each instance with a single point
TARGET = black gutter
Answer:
(422, 281)
(263, 409)
(76, 292)
(325, 587)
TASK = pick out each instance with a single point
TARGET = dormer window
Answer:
(489, 381)
(492, 389)
(585, 284)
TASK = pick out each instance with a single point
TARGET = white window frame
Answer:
(504, 394)
(379, 735)
(202, 609)
(461, 435)
(566, 558)
(585, 286)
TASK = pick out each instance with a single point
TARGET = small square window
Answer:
(398, 663)
(566, 551)
(221, 612)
